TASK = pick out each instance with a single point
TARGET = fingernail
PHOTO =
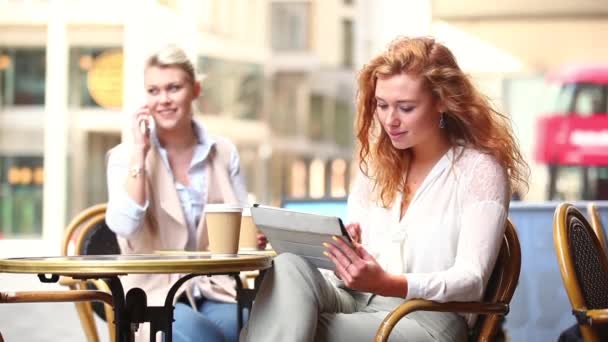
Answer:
(326, 254)
(335, 238)
(325, 244)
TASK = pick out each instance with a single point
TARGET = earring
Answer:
(442, 120)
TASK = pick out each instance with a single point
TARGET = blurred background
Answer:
(279, 80)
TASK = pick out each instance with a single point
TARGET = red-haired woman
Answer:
(427, 211)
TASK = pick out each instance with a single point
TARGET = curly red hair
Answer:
(470, 119)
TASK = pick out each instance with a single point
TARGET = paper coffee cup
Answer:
(223, 227)
(249, 232)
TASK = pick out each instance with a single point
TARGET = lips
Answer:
(396, 135)
(166, 112)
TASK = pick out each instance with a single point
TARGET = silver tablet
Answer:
(299, 233)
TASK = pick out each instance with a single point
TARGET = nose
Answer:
(391, 118)
(164, 97)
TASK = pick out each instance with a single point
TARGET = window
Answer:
(316, 123)
(81, 61)
(590, 99)
(22, 76)
(231, 87)
(347, 43)
(290, 26)
(343, 124)
(22, 178)
(287, 111)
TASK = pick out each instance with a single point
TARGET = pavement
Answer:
(39, 322)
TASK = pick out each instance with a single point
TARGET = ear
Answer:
(196, 89)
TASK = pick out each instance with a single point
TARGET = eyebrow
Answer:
(398, 101)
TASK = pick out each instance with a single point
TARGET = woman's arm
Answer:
(485, 196)
(127, 201)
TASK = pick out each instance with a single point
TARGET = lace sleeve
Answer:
(486, 180)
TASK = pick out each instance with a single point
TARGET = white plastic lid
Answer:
(223, 208)
(247, 211)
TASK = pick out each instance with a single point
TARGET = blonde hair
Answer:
(172, 56)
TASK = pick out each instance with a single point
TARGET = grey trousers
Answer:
(297, 303)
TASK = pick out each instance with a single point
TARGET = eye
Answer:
(406, 109)
(152, 91)
(174, 87)
(382, 106)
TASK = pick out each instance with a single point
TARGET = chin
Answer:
(400, 145)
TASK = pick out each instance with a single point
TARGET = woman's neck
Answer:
(430, 152)
(177, 139)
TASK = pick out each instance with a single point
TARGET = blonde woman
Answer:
(427, 210)
(158, 188)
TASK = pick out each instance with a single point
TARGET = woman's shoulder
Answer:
(471, 158)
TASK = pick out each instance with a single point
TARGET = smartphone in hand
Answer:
(144, 127)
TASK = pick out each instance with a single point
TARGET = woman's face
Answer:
(169, 96)
(406, 110)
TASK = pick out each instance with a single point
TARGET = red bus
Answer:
(572, 138)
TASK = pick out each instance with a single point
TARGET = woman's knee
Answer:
(289, 262)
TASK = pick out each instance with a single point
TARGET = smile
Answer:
(166, 112)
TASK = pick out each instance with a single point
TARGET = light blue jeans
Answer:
(214, 322)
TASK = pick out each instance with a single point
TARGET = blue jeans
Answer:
(214, 321)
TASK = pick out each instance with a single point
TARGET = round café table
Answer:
(132, 309)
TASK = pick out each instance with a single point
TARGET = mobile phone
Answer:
(144, 127)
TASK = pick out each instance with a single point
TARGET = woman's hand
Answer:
(140, 127)
(354, 230)
(360, 271)
(262, 241)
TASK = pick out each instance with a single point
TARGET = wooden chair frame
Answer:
(81, 225)
(498, 295)
(586, 318)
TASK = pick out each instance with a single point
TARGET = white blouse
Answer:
(448, 240)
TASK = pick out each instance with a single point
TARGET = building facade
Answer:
(277, 77)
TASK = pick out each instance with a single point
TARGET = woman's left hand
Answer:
(355, 266)
(262, 241)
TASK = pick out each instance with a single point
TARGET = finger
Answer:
(338, 255)
(344, 248)
(341, 270)
(354, 230)
(363, 253)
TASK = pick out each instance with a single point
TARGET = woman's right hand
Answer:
(354, 230)
(141, 136)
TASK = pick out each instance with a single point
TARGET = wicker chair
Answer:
(584, 268)
(596, 224)
(495, 306)
(90, 235)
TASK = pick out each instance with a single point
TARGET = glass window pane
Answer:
(589, 100)
(347, 43)
(290, 26)
(232, 88)
(81, 61)
(21, 196)
(22, 76)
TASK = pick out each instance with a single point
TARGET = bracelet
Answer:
(135, 171)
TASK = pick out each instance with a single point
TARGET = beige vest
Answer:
(165, 226)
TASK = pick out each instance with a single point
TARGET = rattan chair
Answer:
(495, 306)
(89, 234)
(584, 268)
(596, 224)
